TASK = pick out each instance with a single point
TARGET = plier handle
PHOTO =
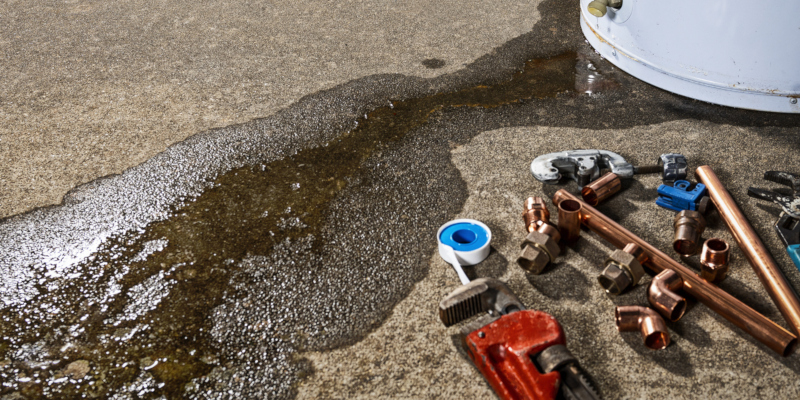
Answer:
(788, 225)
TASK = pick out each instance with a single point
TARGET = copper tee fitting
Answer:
(535, 213)
(648, 322)
(714, 260)
(601, 189)
(569, 220)
(689, 225)
(539, 248)
(662, 295)
(623, 269)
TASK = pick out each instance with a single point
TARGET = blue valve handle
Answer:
(794, 254)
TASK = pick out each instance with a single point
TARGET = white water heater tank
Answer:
(736, 53)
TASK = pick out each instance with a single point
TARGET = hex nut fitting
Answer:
(689, 225)
(535, 213)
(539, 248)
(714, 260)
(623, 269)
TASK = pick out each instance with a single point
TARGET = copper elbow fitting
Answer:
(601, 189)
(569, 220)
(662, 295)
(539, 248)
(623, 269)
(645, 320)
(689, 225)
(535, 214)
(714, 260)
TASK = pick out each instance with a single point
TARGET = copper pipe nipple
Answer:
(569, 220)
(535, 213)
(714, 260)
(689, 225)
(645, 320)
(601, 189)
(662, 295)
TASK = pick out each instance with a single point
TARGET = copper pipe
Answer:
(662, 296)
(766, 269)
(714, 260)
(601, 189)
(689, 225)
(645, 320)
(569, 220)
(764, 330)
(535, 213)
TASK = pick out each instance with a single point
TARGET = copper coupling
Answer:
(623, 269)
(645, 320)
(714, 260)
(569, 220)
(535, 213)
(601, 189)
(662, 296)
(689, 225)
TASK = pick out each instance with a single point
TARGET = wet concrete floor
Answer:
(294, 255)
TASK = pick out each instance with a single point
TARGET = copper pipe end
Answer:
(689, 225)
(601, 189)
(714, 260)
(535, 213)
(662, 295)
(645, 320)
(636, 251)
(569, 220)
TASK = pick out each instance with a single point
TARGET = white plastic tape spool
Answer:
(464, 242)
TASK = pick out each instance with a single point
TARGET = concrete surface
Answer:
(290, 252)
(90, 88)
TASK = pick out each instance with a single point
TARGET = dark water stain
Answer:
(433, 63)
(182, 265)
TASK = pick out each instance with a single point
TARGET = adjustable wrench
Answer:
(520, 352)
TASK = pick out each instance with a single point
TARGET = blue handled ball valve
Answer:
(680, 197)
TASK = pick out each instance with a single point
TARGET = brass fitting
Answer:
(569, 220)
(535, 214)
(647, 321)
(623, 269)
(662, 295)
(689, 225)
(714, 260)
(601, 189)
(599, 8)
(539, 249)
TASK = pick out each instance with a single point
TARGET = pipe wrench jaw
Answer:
(504, 352)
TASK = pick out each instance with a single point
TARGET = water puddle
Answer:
(137, 321)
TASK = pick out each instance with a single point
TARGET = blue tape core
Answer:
(464, 236)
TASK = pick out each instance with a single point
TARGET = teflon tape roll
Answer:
(464, 242)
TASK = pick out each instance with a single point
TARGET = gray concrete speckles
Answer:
(92, 88)
(377, 243)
